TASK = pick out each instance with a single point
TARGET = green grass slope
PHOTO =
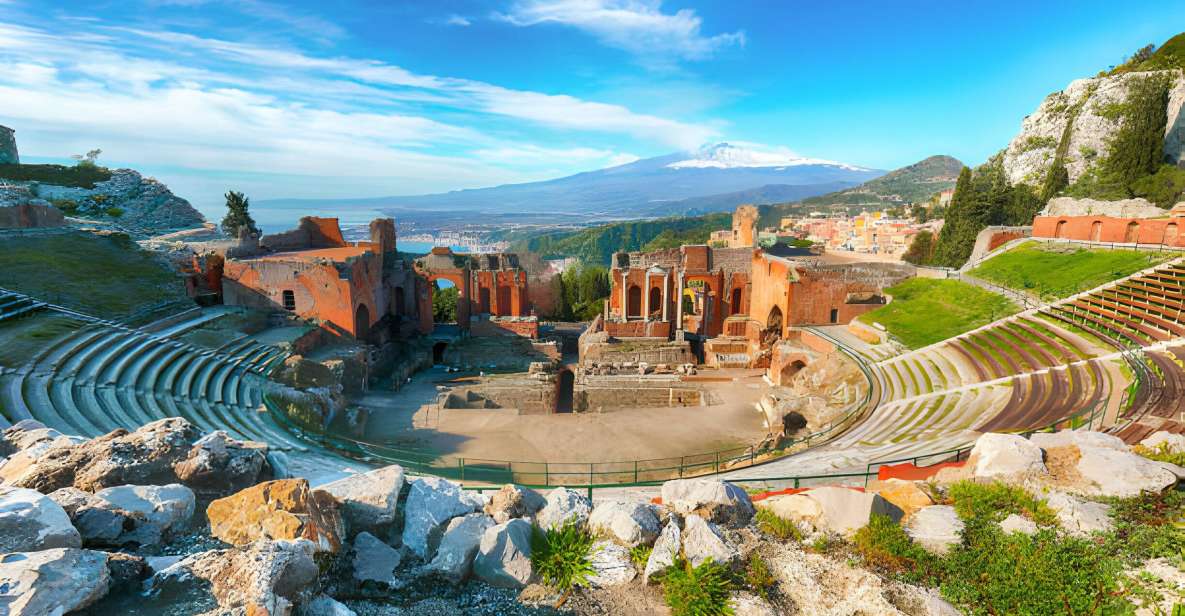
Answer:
(107, 276)
(1053, 272)
(925, 310)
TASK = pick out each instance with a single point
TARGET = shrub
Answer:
(885, 547)
(697, 591)
(640, 555)
(1161, 453)
(114, 212)
(58, 175)
(993, 502)
(776, 526)
(561, 556)
(1041, 574)
(1148, 526)
(758, 577)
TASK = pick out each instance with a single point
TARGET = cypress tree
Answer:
(238, 215)
(1138, 147)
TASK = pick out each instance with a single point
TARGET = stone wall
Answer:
(311, 232)
(8, 152)
(1166, 231)
(30, 216)
(649, 351)
(534, 395)
(526, 327)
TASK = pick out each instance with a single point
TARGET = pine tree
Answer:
(237, 215)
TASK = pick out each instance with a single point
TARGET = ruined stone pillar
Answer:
(666, 282)
(646, 298)
(679, 302)
(625, 304)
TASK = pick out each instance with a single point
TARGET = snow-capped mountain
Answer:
(645, 188)
(734, 156)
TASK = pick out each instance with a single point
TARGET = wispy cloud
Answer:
(637, 26)
(457, 20)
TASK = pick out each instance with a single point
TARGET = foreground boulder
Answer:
(512, 501)
(1106, 471)
(143, 457)
(431, 503)
(564, 506)
(1078, 438)
(1079, 517)
(630, 524)
(219, 464)
(611, 565)
(937, 528)
(54, 581)
(375, 561)
(140, 515)
(504, 555)
(369, 501)
(905, 495)
(996, 455)
(281, 509)
(666, 550)
(831, 509)
(265, 578)
(459, 545)
(30, 521)
(1173, 443)
(27, 442)
(712, 499)
(702, 540)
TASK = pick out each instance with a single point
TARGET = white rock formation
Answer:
(702, 540)
(936, 528)
(504, 556)
(715, 500)
(375, 561)
(30, 521)
(831, 509)
(1174, 443)
(611, 565)
(52, 582)
(369, 500)
(512, 501)
(1077, 516)
(1018, 524)
(563, 505)
(431, 503)
(458, 547)
(997, 455)
(665, 551)
(630, 524)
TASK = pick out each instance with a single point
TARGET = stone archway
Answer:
(774, 320)
(565, 391)
(1170, 234)
(1096, 230)
(655, 300)
(634, 301)
(483, 300)
(1132, 235)
(438, 350)
(1060, 231)
(362, 322)
(791, 369)
(734, 304)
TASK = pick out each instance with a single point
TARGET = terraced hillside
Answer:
(101, 375)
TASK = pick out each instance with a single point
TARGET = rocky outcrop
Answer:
(219, 464)
(830, 509)
(54, 581)
(369, 501)
(512, 501)
(504, 555)
(712, 499)
(122, 515)
(459, 545)
(629, 524)
(611, 565)
(8, 151)
(281, 509)
(702, 541)
(375, 561)
(431, 503)
(666, 550)
(262, 578)
(564, 506)
(996, 455)
(146, 203)
(143, 457)
(32, 214)
(905, 495)
(1079, 517)
(1090, 103)
(30, 521)
(1125, 208)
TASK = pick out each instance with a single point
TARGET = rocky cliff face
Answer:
(1091, 105)
(8, 153)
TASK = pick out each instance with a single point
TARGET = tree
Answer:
(89, 159)
(444, 304)
(1137, 149)
(949, 251)
(237, 216)
(921, 250)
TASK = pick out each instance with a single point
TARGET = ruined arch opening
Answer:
(483, 300)
(438, 350)
(1060, 230)
(1096, 230)
(362, 322)
(289, 298)
(655, 300)
(634, 301)
(1132, 235)
(734, 304)
(774, 320)
(790, 370)
(1170, 234)
(565, 391)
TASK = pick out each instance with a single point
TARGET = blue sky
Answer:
(356, 99)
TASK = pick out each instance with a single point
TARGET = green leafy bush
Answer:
(992, 502)
(885, 547)
(1161, 453)
(758, 577)
(640, 555)
(776, 526)
(561, 556)
(1149, 526)
(697, 591)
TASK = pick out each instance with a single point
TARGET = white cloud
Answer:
(529, 154)
(637, 26)
(456, 20)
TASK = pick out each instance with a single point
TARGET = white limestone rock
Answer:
(563, 505)
(936, 528)
(147, 514)
(431, 503)
(1079, 517)
(504, 555)
(1174, 443)
(630, 524)
(702, 540)
(831, 509)
(1018, 524)
(1080, 438)
(1119, 473)
(458, 547)
(30, 521)
(52, 582)
(369, 501)
(999, 455)
(714, 500)
(749, 604)
(512, 501)
(611, 565)
(324, 605)
(375, 561)
(665, 551)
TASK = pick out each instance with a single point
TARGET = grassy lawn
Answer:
(925, 310)
(1053, 272)
(107, 276)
